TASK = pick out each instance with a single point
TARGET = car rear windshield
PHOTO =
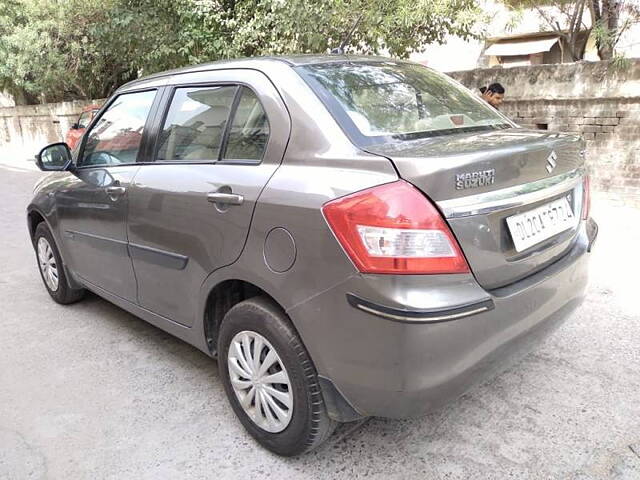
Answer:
(381, 101)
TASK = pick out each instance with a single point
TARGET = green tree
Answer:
(59, 50)
(10, 15)
(258, 27)
(67, 49)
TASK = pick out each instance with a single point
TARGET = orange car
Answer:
(77, 129)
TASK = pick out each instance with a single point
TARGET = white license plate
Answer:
(532, 227)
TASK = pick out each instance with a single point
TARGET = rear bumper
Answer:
(391, 368)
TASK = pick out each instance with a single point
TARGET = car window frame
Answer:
(88, 114)
(146, 130)
(166, 106)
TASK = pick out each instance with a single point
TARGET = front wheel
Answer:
(270, 380)
(51, 269)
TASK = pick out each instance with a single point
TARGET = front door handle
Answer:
(114, 191)
(225, 198)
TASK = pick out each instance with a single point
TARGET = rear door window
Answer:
(195, 124)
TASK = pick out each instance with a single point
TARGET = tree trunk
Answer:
(22, 97)
(575, 26)
(606, 14)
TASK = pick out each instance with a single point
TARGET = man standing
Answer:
(493, 94)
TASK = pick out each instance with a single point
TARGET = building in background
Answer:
(529, 49)
(528, 41)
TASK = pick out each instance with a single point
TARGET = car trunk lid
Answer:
(480, 179)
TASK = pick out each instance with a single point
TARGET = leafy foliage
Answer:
(66, 49)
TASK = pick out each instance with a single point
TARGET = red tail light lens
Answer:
(394, 228)
(586, 197)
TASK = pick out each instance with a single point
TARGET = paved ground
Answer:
(89, 391)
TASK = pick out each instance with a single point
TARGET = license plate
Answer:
(530, 228)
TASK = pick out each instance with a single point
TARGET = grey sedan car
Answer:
(348, 236)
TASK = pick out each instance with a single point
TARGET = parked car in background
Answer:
(348, 236)
(77, 129)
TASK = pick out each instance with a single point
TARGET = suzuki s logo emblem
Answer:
(551, 161)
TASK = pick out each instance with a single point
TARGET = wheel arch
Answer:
(34, 218)
(229, 292)
(219, 299)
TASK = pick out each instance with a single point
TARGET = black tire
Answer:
(63, 294)
(309, 425)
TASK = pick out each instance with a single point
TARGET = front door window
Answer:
(116, 137)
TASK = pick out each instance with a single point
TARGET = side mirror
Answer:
(54, 158)
(75, 126)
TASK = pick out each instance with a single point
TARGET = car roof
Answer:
(256, 62)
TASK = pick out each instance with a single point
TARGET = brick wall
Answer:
(592, 99)
(611, 129)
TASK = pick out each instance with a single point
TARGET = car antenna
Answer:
(340, 49)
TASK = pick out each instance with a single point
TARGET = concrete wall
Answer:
(590, 98)
(24, 130)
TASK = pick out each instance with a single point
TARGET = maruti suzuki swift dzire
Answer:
(348, 236)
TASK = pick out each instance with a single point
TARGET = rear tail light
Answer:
(393, 228)
(586, 197)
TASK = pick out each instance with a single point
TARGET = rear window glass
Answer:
(398, 100)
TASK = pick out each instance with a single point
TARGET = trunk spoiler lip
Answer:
(509, 197)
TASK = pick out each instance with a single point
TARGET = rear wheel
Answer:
(270, 380)
(51, 269)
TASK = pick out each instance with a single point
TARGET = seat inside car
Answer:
(200, 138)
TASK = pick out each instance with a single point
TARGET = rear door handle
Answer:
(113, 191)
(225, 198)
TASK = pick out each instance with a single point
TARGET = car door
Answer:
(92, 207)
(222, 136)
